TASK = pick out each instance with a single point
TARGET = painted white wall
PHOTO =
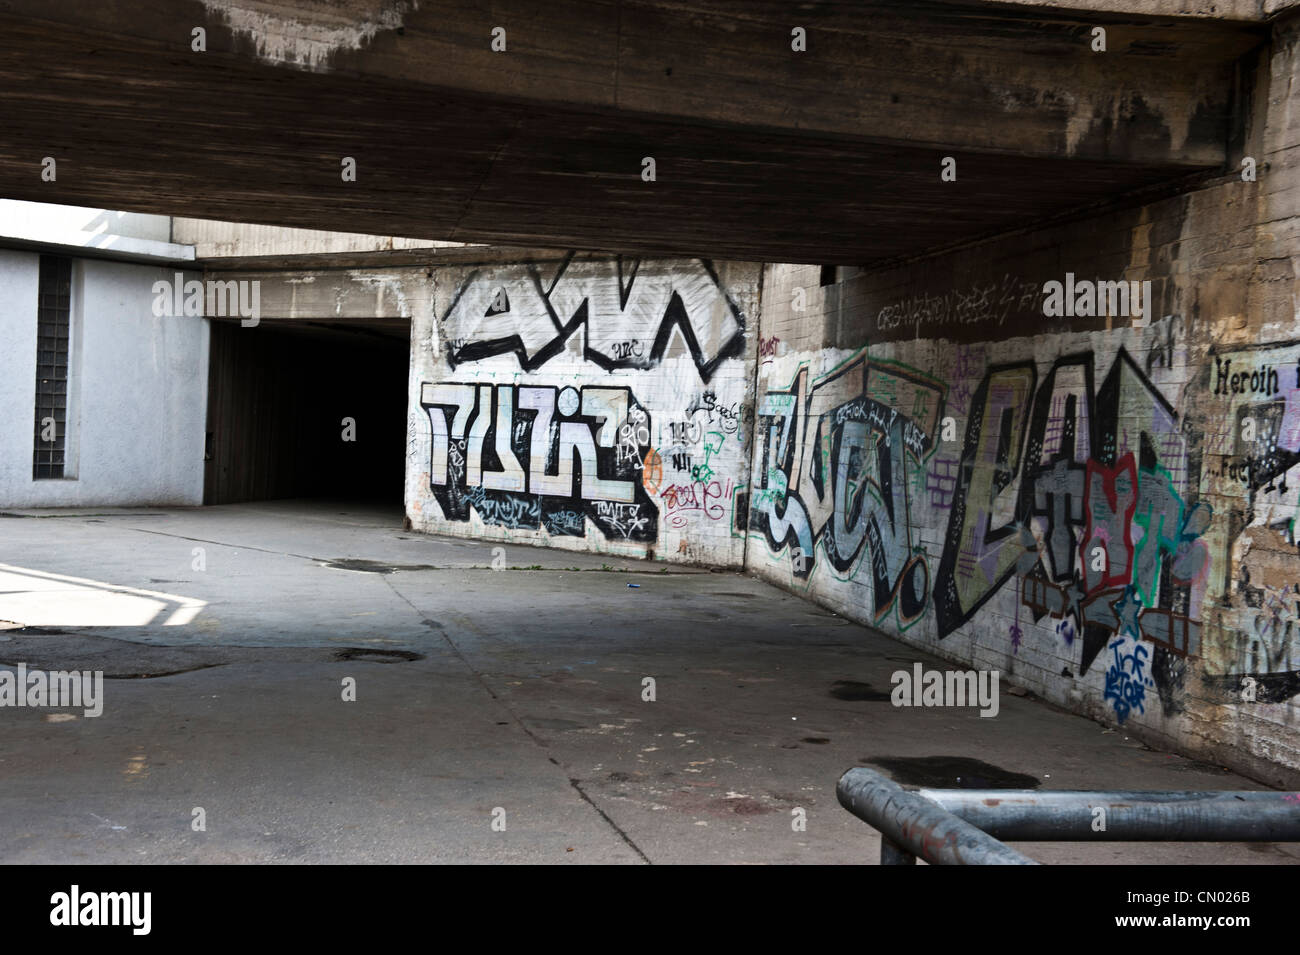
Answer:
(138, 406)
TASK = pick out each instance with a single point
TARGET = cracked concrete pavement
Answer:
(477, 691)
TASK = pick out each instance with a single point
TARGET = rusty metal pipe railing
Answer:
(929, 822)
(912, 825)
(1071, 816)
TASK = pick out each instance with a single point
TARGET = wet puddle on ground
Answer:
(951, 772)
(853, 690)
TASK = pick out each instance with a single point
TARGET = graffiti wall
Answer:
(837, 458)
(594, 402)
(1108, 515)
(1100, 501)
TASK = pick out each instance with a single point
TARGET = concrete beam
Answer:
(382, 297)
(762, 153)
(1006, 78)
(90, 233)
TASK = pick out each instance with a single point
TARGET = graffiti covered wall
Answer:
(1103, 506)
(593, 402)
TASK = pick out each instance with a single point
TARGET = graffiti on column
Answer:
(541, 457)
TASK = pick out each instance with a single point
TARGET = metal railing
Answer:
(964, 826)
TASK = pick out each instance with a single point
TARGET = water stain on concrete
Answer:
(1268, 848)
(158, 673)
(371, 655)
(363, 566)
(857, 692)
(952, 772)
(50, 649)
(741, 806)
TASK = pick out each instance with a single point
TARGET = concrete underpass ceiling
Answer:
(832, 158)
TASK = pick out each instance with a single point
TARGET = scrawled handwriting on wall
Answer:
(709, 500)
(984, 305)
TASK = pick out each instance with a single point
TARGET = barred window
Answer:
(53, 324)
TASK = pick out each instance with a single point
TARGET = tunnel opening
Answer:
(303, 410)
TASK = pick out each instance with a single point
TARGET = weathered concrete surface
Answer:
(236, 240)
(826, 154)
(1190, 643)
(527, 697)
(1230, 10)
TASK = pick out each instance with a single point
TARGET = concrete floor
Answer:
(223, 691)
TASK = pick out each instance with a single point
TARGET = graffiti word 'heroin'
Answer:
(1259, 381)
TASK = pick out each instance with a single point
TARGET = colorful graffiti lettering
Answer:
(832, 473)
(1085, 495)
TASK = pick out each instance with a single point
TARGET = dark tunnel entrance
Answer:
(304, 410)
